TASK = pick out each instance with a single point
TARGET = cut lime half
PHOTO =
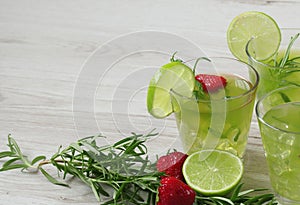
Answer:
(176, 76)
(259, 26)
(212, 172)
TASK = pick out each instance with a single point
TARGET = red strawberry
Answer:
(175, 192)
(211, 83)
(171, 164)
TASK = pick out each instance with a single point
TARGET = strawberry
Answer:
(172, 191)
(211, 83)
(171, 164)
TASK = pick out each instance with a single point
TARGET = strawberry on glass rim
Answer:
(211, 83)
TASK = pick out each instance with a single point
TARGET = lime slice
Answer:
(259, 26)
(174, 75)
(212, 172)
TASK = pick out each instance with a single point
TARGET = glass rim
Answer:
(253, 59)
(226, 98)
(262, 63)
(260, 117)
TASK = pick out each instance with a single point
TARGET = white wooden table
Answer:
(50, 95)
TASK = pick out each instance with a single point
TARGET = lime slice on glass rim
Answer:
(174, 75)
(212, 172)
(259, 26)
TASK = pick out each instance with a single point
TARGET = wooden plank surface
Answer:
(49, 95)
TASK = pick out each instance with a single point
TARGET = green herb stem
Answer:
(286, 61)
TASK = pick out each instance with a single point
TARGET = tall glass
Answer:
(273, 76)
(278, 114)
(222, 120)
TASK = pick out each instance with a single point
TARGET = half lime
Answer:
(212, 172)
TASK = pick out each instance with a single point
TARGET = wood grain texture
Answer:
(44, 45)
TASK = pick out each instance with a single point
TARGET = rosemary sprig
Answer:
(173, 59)
(198, 91)
(286, 61)
(122, 170)
(117, 174)
(288, 65)
(238, 197)
(17, 159)
(122, 167)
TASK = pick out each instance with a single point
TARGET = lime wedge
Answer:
(174, 75)
(259, 26)
(212, 172)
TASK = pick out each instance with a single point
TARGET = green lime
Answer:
(174, 75)
(212, 172)
(259, 26)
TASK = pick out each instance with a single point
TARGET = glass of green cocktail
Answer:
(281, 69)
(278, 114)
(217, 118)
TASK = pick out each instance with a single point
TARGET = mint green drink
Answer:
(229, 132)
(219, 119)
(279, 121)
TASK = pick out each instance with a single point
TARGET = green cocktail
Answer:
(280, 70)
(218, 119)
(278, 115)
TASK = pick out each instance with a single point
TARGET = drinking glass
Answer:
(222, 120)
(278, 114)
(273, 76)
